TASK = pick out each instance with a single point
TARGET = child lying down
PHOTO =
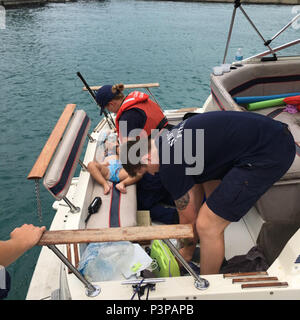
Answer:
(111, 168)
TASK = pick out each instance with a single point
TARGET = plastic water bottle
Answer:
(238, 57)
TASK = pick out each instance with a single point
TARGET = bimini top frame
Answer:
(237, 4)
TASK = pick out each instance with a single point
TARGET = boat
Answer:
(56, 274)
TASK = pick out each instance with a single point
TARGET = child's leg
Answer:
(126, 180)
(100, 173)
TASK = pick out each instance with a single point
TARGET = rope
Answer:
(137, 290)
(152, 95)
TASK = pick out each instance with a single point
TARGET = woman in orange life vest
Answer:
(136, 109)
(140, 113)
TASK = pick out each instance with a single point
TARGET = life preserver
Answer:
(140, 100)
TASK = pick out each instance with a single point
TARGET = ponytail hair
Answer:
(117, 91)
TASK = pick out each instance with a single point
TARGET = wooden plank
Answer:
(264, 285)
(76, 256)
(69, 256)
(245, 274)
(254, 279)
(175, 231)
(186, 110)
(129, 86)
(42, 162)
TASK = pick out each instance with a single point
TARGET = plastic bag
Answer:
(110, 137)
(103, 261)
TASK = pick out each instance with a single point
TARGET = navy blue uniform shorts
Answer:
(246, 182)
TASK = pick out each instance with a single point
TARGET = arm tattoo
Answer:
(182, 202)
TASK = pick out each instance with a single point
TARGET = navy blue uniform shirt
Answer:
(231, 139)
(136, 119)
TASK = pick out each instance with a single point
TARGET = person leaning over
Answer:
(138, 111)
(240, 156)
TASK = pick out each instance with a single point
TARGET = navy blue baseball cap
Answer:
(104, 96)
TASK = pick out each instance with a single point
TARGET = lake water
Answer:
(41, 49)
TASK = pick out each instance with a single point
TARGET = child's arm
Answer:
(131, 180)
(127, 181)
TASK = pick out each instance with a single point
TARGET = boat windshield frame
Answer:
(237, 4)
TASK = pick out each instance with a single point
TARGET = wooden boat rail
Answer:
(255, 280)
(39, 168)
(128, 86)
(68, 237)
(265, 285)
(142, 233)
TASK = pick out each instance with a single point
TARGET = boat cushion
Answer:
(63, 165)
(280, 204)
(254, 79)
(293, 121)
(260, 79)
(117, 209)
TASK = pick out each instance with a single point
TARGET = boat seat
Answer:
(261, 79)
(293, 121)
(279, 206)
(254, 79)
(117, 209)
(63, 165)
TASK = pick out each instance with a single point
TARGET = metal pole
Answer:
(93, 95)
(109, 116)
(284, 46)
(83, 166)
(265, 42)
(200, 283)
(229, 34)
(152, 95)
(73, 208)
(285, 27)
(91, 139)
(91, 290)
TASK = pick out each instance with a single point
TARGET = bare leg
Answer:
(100, 173)
(210, 228)
(126, 180)
(210, 186)
(189, 217)
(196, 195)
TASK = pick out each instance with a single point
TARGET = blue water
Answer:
(173, 43)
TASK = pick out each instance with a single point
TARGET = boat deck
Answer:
(46, 277)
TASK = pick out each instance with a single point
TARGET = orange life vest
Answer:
(140, 100)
